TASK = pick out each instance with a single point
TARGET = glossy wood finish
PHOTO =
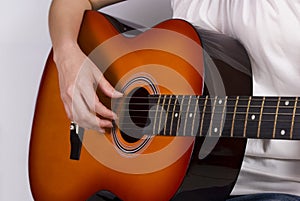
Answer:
(158, 169)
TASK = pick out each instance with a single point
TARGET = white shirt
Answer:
(270, 32)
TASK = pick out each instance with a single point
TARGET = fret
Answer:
(240, 116)
(191, 116)
(296, 122)
(260, 117)
(276, 117)
(216, 116)
(203, 116)
(167, 117)
(285, 117)
(268, 116)
(196, 114)
(183, 114)
(293, 118)
(253, 117)
(211, 125)
(174, 111)
(156, 112)
(161, 114)
(234, 115)
(229, 111)
(187, 115)
(246, 119)
(179, 122)
(171, 108)
(222, 123)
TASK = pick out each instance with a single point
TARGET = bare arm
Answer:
(81, 103)
(65, 17)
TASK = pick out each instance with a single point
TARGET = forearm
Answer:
(65, 17)
(82, 104)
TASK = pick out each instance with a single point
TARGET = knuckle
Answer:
(105, 124)
(69, 115)
(69, 91)
(83, 118)
(64, 97)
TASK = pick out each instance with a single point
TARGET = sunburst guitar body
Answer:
(152, 152)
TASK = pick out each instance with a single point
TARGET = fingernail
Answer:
(115, 116)
(117, 94)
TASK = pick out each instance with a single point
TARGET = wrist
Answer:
(61, 52)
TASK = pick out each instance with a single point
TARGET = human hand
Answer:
(79, 78)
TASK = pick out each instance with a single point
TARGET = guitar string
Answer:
(228, 112)
(212, 105)
(237, 119)
(269, 99)
(233, 98)
(224, 133)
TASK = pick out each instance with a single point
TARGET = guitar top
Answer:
(179, 136)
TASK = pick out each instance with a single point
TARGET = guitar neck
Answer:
(231, 116)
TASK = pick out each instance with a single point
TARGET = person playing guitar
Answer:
(269, 32)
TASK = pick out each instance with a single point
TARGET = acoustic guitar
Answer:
(174, 139)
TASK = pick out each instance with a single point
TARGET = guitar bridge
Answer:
(76, 136)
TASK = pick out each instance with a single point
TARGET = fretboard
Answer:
(231, 116)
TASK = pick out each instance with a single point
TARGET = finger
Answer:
(103, 84)
(98, 124)
(86, 109)
(103, 123)
(107, 89)
(67, 102)
(95, 123)
(104, 111)
(94, 105)
(66, 99)
(88, 120)
(68, 110)
(81, 111)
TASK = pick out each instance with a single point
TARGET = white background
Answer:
(24, 46)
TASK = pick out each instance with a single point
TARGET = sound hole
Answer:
(138, 112)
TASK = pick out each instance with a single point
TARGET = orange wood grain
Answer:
(53, 176)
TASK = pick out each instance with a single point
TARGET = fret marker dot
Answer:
(253, 117)
(287, 103)
(282, 132)
(220, 101)
(191, 115)
(215, 130)
(176, 114)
